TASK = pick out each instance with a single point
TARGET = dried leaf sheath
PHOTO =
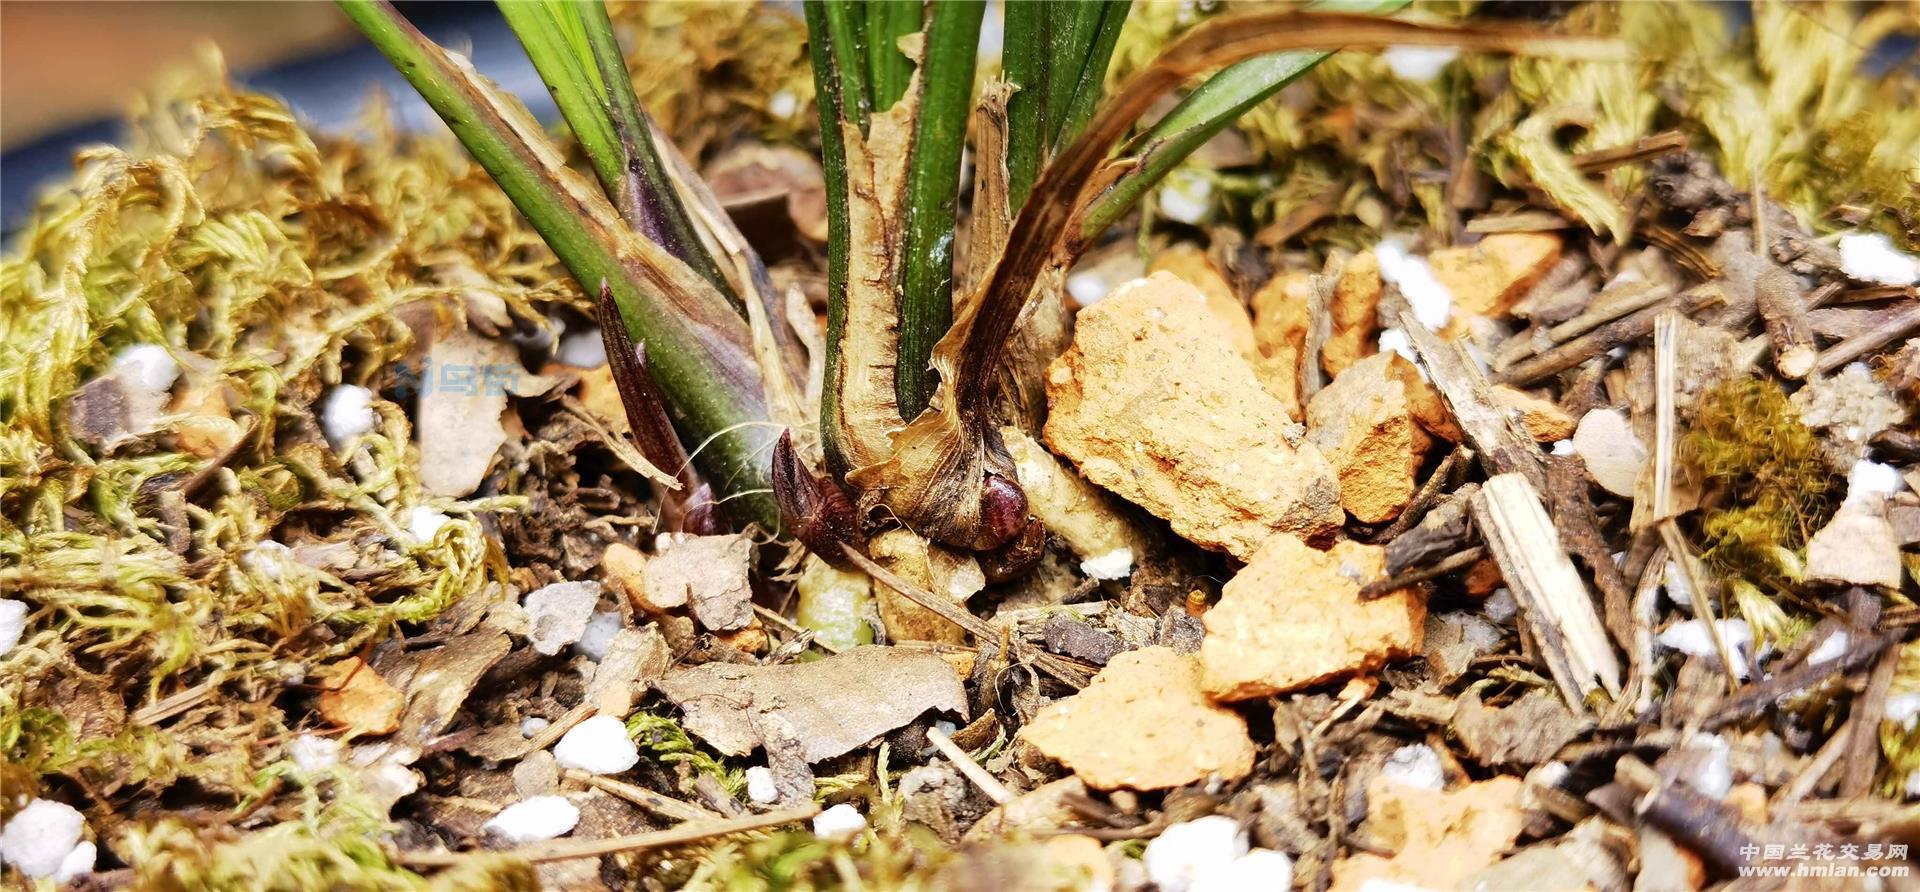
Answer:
(946, 470)
(701, 347)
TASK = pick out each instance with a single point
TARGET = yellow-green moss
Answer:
(1774, 487)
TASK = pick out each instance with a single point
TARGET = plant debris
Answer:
(1450, 470)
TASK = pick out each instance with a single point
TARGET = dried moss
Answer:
(338, 846)
(274, 264)
(1776, 487)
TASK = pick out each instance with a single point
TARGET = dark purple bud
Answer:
(1003, 509)
(702, 517)
(1018, 557)
(812, 505)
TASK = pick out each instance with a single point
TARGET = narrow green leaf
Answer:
(836, 74)
(699, 348)
(573, 47)
(1056, 53)
(1025, 61)
(888, 69)
(933, 186)
(1206, 111)
(1079, 102)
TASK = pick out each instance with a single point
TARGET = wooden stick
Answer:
(793, 628)
(1815, 770)
(1491, 431)
(1000, 793)
(1381, 588)
(569, 849)
(1897, 325)
(1613, 334)
(1428, 492)
(1863, 748)
(977, 627)
(1549, 590)
(658, 803)
(1758, 697)
(1645, 148)
(1649, 294)
(1707, 827)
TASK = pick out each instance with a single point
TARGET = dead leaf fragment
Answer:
(1526, 733)
(557, 614)
(1856, 547)
(1152, 404)
(464, 388)
(833, 705)
(439, 681)
(1293, 617)
(1144, 724)
(356, 698)
(711, 572)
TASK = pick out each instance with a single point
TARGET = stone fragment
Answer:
(40, 836)
(356, 698)
(1436, 837)
(1363, 424)
(1177, 858)
(711, 572)
(1611, 450)
(934, 568)
(1280, 311)
(599, 745)
(557, 614)
(1191, 265)
(533, 819)
(1850, 406)
(1353, 315)
(1488, 277)
(1074, 637)
(1144, 724)
(206, 427)
(1541, 419)
(1152, 404)
(1293, 617)
(836, 604)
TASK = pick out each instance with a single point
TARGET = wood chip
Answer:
(1553, 598)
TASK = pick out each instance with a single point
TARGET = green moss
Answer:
(667, 741)
(1776, 489)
